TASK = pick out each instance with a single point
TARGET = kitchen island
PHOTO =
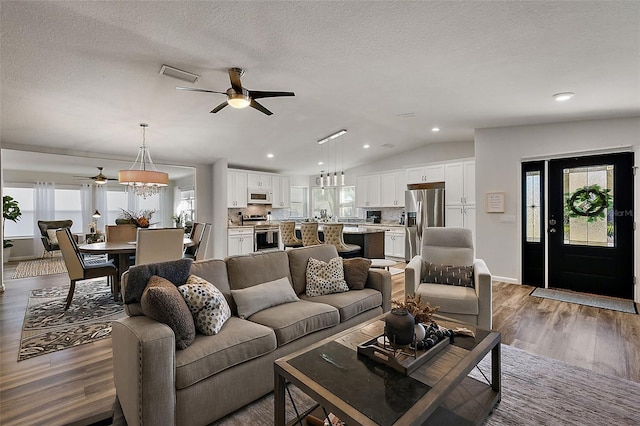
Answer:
(371, 241)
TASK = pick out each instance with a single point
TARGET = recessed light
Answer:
(435, 129)
(564, 96)
(320, 163)
(269, 155)
(365, 146)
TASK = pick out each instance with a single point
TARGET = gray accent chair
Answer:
(452, 246)
(51, 244)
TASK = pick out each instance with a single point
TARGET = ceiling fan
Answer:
(99, 179)
(240, 97)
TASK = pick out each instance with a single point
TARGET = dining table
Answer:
(123, 250)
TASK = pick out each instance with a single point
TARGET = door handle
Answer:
(552, 230)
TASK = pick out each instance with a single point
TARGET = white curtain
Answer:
(166, 209)
(44, 208)
(86, 206)
(101, 206)
(132, 202)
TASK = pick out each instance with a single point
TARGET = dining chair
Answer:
(77, 269)
(309, 233)
(121, 233)
(159, 245)
(334, 234)
(199, 238)
(288, 234)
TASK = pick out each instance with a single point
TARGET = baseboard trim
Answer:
(504, 279)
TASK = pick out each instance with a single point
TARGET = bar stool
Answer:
(288, 234)
(333, 234)
(309, 232)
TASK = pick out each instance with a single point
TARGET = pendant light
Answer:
(143, 179)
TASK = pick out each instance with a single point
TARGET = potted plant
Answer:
(10, 211)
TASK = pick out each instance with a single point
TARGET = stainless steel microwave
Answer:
(259, 196)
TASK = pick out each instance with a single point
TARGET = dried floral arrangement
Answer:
(141, 220)
(421, 312)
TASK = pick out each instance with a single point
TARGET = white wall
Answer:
(499, 153)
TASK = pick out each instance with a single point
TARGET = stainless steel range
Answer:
(265, 234)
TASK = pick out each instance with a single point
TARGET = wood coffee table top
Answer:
(362, 391)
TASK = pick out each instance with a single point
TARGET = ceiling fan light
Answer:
(238, 100)
(100, 180)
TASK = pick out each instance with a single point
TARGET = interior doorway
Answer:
(582, 240)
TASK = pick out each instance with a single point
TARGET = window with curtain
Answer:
(68, 206)
(116, 201)
(299, 205)
(323, 199)
(187, 205)
(24, 226)
(347, 202)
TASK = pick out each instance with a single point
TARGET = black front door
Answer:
(590, 224)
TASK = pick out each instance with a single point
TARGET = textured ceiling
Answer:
(81, 76)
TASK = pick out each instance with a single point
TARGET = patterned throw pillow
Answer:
(53, 237)
(447, 274)
(325, 278)
(207, 304)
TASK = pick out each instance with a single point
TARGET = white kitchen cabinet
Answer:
(236, 189)
(392, 188)
(239, 241)
(368, 191)
(281, 194)
(460, 183)
(426, 174)
(461, 216)
(394, 243)
(259, 180)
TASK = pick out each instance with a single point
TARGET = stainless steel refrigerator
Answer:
(424, 206)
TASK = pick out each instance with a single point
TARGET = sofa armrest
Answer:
(482, 281)
(379, 279)
(412, 277)
(144, 370)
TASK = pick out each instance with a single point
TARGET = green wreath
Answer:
(590, 201)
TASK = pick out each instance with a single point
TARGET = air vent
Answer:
(388, 145)
(179, 74)
(407, 115)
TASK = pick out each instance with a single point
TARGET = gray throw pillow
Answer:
(447, 274)
(356, 272)
(162, 302)
(262, 296)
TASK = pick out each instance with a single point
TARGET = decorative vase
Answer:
(399, 327)
(420, 331)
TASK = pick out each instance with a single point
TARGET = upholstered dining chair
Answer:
(462, 292)
(77, 269)
(288, 234)
(333, 234)
(159, 245)
(48, 234)
(121, 233)
(199, 238)
(309, 233)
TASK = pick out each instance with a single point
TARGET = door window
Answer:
(533, 192)
(588, 206)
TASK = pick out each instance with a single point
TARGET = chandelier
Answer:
(143, 178)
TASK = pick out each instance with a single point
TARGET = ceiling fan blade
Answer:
(259, 107)
(219, 107)
(257, 94)
(191, 89)
(234, 76)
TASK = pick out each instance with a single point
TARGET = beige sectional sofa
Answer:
(157, 384)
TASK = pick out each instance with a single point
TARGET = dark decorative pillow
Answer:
(447, 274)
(162, 301)
(356, 271)
(176, 271)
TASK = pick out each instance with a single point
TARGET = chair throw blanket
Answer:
(176, 271)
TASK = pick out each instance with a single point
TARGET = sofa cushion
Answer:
(450, 298)
(447, 274)
(296, 319)
(176, 271)
(356, 271)
(237, 342)
(261, 296)
(206, 303)
(325, 277)
(299, 257)
(350, 303)
(215, 271)
(162, 301)
(257, 268)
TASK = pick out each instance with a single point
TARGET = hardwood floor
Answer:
(77, 383)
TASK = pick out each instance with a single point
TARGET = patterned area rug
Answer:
(36, 268)
(48, 327)
(612, 303)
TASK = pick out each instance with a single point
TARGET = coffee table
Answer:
(361, 391)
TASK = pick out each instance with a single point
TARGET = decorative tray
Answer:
(405, 360)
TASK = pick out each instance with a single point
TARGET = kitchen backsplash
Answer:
(388, 215)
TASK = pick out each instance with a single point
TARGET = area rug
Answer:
(612, 303)
(36, 268)
(47, 327)
(535, 391)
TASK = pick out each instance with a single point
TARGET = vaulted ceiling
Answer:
(81, 76)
